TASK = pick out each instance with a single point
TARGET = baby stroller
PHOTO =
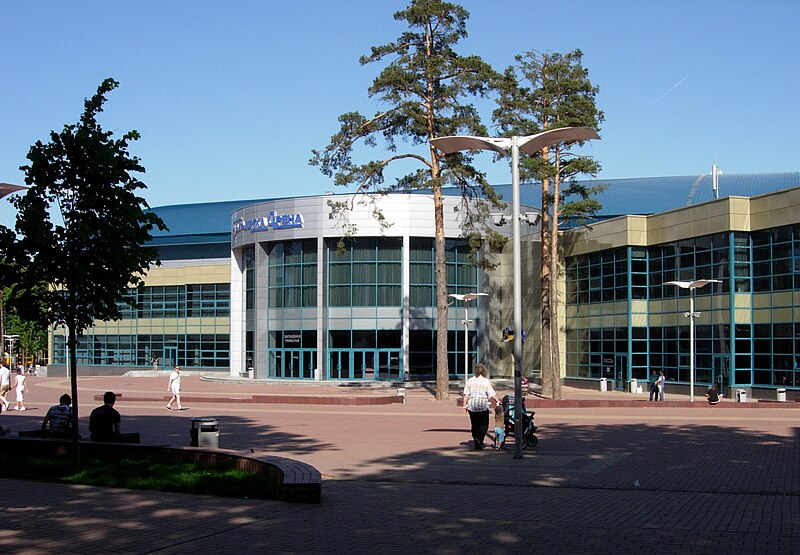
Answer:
(528, 427)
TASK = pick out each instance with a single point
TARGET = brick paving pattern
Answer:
(629, 477)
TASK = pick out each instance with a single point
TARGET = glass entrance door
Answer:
(170, 357)
(389, 365)
(359, 364)
(292, 363)
(720, 374)
(621, 372)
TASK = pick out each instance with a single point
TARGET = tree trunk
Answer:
(555, 361)
(73, 377)
(442, 367)
(547, 376)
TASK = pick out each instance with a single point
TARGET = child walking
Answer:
(499, 428)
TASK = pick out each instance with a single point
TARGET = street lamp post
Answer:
(691, 315)
(11, 339)
(530, 144)
(466, 298)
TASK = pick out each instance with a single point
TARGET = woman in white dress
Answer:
(21, 387)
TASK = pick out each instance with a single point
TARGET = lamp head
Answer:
(498, 218)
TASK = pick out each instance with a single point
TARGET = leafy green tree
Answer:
(6, 275)
(81, 227)
(545, 91)
(29, 322)
(425, 89)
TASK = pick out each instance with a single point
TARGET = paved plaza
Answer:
(629, 477)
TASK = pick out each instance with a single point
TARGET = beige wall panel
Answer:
(782, 314)
(741, 316)
(216, 273)
(639, 320)
(782, 298)
(761, 316)
(637, 238)
(741, 301)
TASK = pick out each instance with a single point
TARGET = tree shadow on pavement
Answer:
(654, 457)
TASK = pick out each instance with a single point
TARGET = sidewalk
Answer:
(402, 478)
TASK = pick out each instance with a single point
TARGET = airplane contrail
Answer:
(675, 86)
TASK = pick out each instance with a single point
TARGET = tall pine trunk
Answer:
(442, 367)
(547, 367)
(555, 361)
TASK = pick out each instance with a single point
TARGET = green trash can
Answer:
(204, 432)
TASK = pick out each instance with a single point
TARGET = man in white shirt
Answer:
(5, 385)
(174, 387)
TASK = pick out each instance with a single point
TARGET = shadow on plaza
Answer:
(173, 429)
(678, 458)
(578, 473)
(236, 433)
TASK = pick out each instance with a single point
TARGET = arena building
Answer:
(266, 289)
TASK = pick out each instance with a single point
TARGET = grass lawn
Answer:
(142, 474)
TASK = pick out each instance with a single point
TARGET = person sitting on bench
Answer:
(104, 421)
(713, 395)
(58, 420)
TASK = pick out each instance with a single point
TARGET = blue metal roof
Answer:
(199, 219)
(211, 222)
(650, 195)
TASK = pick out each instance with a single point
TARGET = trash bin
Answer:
(634, 385)
(741, 395)
(603, 384)
(204, 432)
(781, 394)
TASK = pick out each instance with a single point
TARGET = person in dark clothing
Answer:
(713, 395)
(653, 386)
(105, 421)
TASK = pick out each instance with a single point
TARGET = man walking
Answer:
(174, 387)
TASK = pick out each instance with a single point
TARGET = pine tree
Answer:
(425, 89)
(545, 91)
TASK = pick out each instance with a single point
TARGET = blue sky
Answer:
(231, 97)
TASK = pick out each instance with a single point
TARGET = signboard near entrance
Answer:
(291, 339)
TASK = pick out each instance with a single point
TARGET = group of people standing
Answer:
(20, 387)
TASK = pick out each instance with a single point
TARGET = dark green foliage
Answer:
(82, 228)
(546, 91)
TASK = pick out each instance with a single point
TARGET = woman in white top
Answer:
(21, 387)
(662, 379)
(478, 392)
(174, 387)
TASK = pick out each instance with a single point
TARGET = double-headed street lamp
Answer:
(691, 315)
(466, 298)
(530, 144)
